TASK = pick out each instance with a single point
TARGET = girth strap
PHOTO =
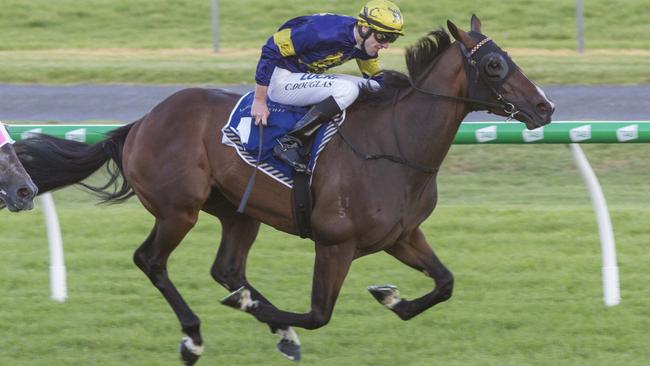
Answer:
(302, 204)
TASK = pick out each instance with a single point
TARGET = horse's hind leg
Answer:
(229, 269)
(151, 257)
(416, 253)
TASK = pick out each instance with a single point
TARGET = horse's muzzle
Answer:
(20, 198)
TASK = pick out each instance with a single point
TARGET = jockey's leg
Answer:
(329, 95)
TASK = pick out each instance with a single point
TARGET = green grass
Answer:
(169, 42)
(514, 224)
(43, 24)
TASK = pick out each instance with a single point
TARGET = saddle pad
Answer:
(241, 133)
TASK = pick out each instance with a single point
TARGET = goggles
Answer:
(383, 37)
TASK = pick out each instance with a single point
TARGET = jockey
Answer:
(294, 58)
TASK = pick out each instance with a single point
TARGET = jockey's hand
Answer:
(260, 112)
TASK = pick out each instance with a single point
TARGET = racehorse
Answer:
(374, 186)
(17, 190)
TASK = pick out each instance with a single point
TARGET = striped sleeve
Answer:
(282, 40)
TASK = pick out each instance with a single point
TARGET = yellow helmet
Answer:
(382, 16)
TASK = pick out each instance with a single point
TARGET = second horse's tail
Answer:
(54, 163)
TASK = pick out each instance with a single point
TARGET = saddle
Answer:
(241, 133)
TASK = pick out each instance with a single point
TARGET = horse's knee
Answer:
(318, 319)
(446, 286)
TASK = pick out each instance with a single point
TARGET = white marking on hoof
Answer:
(245, 300)
(189, 344)
(289, 334)
(391, 300)
(391, 295)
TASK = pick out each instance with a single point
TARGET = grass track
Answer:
(514, 224)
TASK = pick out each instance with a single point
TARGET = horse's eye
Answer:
(495, 67)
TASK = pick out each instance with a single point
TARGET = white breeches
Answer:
(304, 89)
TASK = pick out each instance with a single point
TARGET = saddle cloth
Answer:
(241, 133)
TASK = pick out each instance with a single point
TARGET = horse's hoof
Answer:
(387, 295)
(190, 352)
(289, 349)
(240, 299)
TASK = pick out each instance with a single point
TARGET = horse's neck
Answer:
(428, 129)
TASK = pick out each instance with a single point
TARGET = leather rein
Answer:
(470, 66)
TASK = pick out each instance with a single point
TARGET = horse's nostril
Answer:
(24, 192)
(543, 109)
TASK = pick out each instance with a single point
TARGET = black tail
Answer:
(54, 163)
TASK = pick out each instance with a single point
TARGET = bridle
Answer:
(484, 50)
(474, 60)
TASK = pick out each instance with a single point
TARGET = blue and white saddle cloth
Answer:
(241, 133)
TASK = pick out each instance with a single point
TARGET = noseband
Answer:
(475, 63)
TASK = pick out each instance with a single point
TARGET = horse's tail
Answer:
(54, 163)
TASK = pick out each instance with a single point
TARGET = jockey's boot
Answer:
(289, 149)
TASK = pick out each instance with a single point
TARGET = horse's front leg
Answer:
(331, 266)
(416, 253)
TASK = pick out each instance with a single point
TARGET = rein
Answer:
(469, 63)
(391, 158)
(251, 180)
(507, 107)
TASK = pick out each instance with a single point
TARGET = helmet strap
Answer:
(364, 36)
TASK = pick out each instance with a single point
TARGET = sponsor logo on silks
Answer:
(5, 138)
(76, 135)
(627, 133)
(317, 76)
(486, 134)
(533, 135)
(581, 133)
(30, 133)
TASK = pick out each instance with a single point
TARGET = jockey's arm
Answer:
(259, 109)
(277, 46)
(371, 69)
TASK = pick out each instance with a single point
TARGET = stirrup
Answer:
(288, 142)
(288, 151)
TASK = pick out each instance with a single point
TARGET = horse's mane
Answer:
(418, 58)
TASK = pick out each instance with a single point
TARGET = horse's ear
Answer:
(453, 29)
(459, 34)
(475, 24)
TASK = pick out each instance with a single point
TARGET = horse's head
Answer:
(17, 190)
(498, 82)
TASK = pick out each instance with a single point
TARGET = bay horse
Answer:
(17, 190)
(375, 183)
